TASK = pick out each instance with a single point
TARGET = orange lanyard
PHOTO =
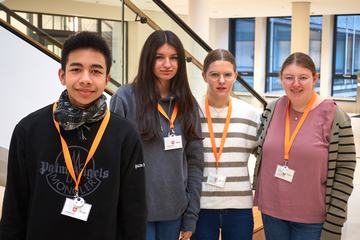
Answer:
(211, 130)
(93, 148)
(288, 141)
(173, 116)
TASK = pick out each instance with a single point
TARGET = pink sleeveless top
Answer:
(302, 200)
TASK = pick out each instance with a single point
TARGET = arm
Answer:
(194, 151)
(132, 207)
(264, 124)
(258, 133)
(342, 183)
(16, 198)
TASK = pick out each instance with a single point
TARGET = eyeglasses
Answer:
(215, 76)
(290, 80)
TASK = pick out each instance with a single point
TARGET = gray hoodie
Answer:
(173, 177)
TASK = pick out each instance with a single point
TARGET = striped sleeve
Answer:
(342, 161)
(265, 117)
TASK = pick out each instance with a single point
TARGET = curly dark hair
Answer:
(85, 40)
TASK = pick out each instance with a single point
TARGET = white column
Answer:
(198, 20)
(260, 54)
(300, 27)
(326, 55)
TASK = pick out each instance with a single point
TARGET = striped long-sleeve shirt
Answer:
(241, 141)
(341, 167)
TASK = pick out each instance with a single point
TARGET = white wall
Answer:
(29, 81)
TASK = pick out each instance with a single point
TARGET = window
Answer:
(87, 24)
(279, 37)
(3, 15)
(242, 47)
(346, 62)
(64, 23)
(279, 44)
(110, 31)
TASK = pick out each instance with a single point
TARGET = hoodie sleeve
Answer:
(132, 208)
(117, 105)
(16, 198)
(195, 157)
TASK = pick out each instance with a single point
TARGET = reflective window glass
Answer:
(346, 63)
(243, 50)
(87, 24)
(47, 21)
(279, 44)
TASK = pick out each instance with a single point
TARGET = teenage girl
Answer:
(166, 114)
(230, 128)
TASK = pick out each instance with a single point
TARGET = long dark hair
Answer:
(147, 93)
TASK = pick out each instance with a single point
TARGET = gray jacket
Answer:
(173, 177)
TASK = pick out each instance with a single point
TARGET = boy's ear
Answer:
(61, 74)
(108, 79)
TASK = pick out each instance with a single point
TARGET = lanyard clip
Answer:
(171, 133)
(286, 161)
(76, 194)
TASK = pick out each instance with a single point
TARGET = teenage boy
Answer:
(75, 170)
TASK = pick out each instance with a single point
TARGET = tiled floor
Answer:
(351, 229)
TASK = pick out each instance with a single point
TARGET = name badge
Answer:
(216, 180)
(71, 209)
(284, 173)
(172, 142)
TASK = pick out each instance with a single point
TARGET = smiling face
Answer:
(85, 77)
(220, 77)
(166, 64)
(299, 92)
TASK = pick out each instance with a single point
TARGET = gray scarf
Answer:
(71, 117)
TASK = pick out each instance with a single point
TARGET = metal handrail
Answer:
(204, 45)
(154, 26)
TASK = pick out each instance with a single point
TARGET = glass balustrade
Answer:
(126, 49)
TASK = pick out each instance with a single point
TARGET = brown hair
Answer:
(219, 54)
(299, 59)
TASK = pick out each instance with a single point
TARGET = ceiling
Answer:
(249, 8)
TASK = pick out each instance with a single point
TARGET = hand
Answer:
(185, 235)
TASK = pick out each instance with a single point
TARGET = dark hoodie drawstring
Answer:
(168, 113)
